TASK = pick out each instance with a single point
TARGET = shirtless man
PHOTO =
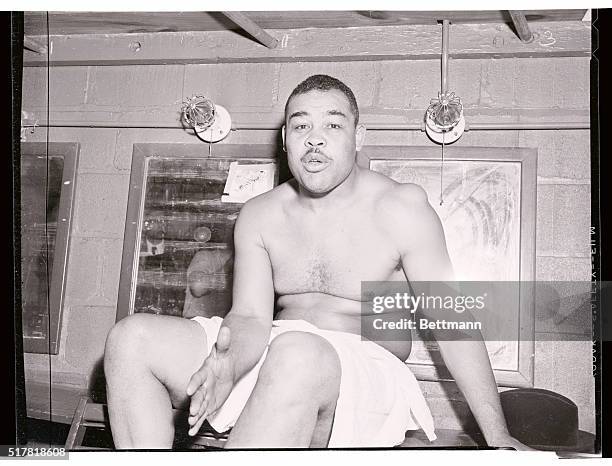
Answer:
(312, 241)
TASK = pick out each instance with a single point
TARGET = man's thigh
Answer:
(293, 395)
(172, 348)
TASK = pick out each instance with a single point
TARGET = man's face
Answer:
(321, 139)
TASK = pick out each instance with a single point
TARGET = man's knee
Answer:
(127, 339)
(300, 360)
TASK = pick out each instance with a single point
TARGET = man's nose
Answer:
(315, 140)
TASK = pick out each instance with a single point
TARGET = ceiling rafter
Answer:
(420, 42)
(521, 25)
(252, 28)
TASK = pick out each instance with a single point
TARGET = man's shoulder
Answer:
(264, 206)
(410, 193)
(388, 187)
(405, 207)
(394, 195)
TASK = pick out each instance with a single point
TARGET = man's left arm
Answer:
(427, 266)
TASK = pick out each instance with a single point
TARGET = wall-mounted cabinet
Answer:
(178, 244)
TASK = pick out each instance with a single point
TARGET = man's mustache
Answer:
(319, 155)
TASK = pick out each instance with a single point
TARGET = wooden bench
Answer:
(94, 415)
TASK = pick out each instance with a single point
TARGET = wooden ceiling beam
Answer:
(521, 25)
(252, 28)
(421, 42)
(107, 22)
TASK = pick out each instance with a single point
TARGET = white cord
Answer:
(442, 169)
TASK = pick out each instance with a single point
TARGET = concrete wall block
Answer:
(563, 268)
(67, 87)
(96, 147)
(497, 83)
(534, 85)
(546, 144)
(544, 221)
(94, 267)
(573, 154)
(561, 153)
(142, 86)
(111, 269)
(34, 88)
(84, 271)
(572, 219)
(391, 138)
(572, 82)
(85, 342)
(544, 364)
(464, 80)
(127, 137)
(268, 136)
(408, 84)
(361, 77)
(235, 86)
(100, 206)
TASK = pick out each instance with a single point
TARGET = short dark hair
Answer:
(323, 82)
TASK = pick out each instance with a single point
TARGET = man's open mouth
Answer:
(314, 162)
(314, 165)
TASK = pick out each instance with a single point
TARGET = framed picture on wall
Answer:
(486, 201)
(178, 242)
(47, 188)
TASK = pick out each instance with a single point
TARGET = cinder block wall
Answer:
(114, 96)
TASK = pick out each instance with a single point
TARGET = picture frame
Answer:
(46, 219)
(178, 260)
(494, 190)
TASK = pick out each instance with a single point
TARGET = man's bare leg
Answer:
(148, 361)
(293, 402)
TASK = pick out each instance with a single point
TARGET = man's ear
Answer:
(283, 131)
(360, 133)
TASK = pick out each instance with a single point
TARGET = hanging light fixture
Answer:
(444, 120)
(211, 122)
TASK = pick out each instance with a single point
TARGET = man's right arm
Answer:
(245, 331)
(250, 318)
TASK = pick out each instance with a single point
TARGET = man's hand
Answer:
(210, 386)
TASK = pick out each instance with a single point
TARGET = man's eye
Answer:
(335, 126)
(299, 127)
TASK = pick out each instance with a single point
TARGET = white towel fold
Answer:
(379, 398)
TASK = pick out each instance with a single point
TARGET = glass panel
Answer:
(480, 213)
(41, 185)
(186, 240)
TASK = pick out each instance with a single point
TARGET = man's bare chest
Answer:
(332, 258)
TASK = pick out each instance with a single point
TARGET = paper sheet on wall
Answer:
(245, 181)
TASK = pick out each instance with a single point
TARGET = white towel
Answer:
(379, 398)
